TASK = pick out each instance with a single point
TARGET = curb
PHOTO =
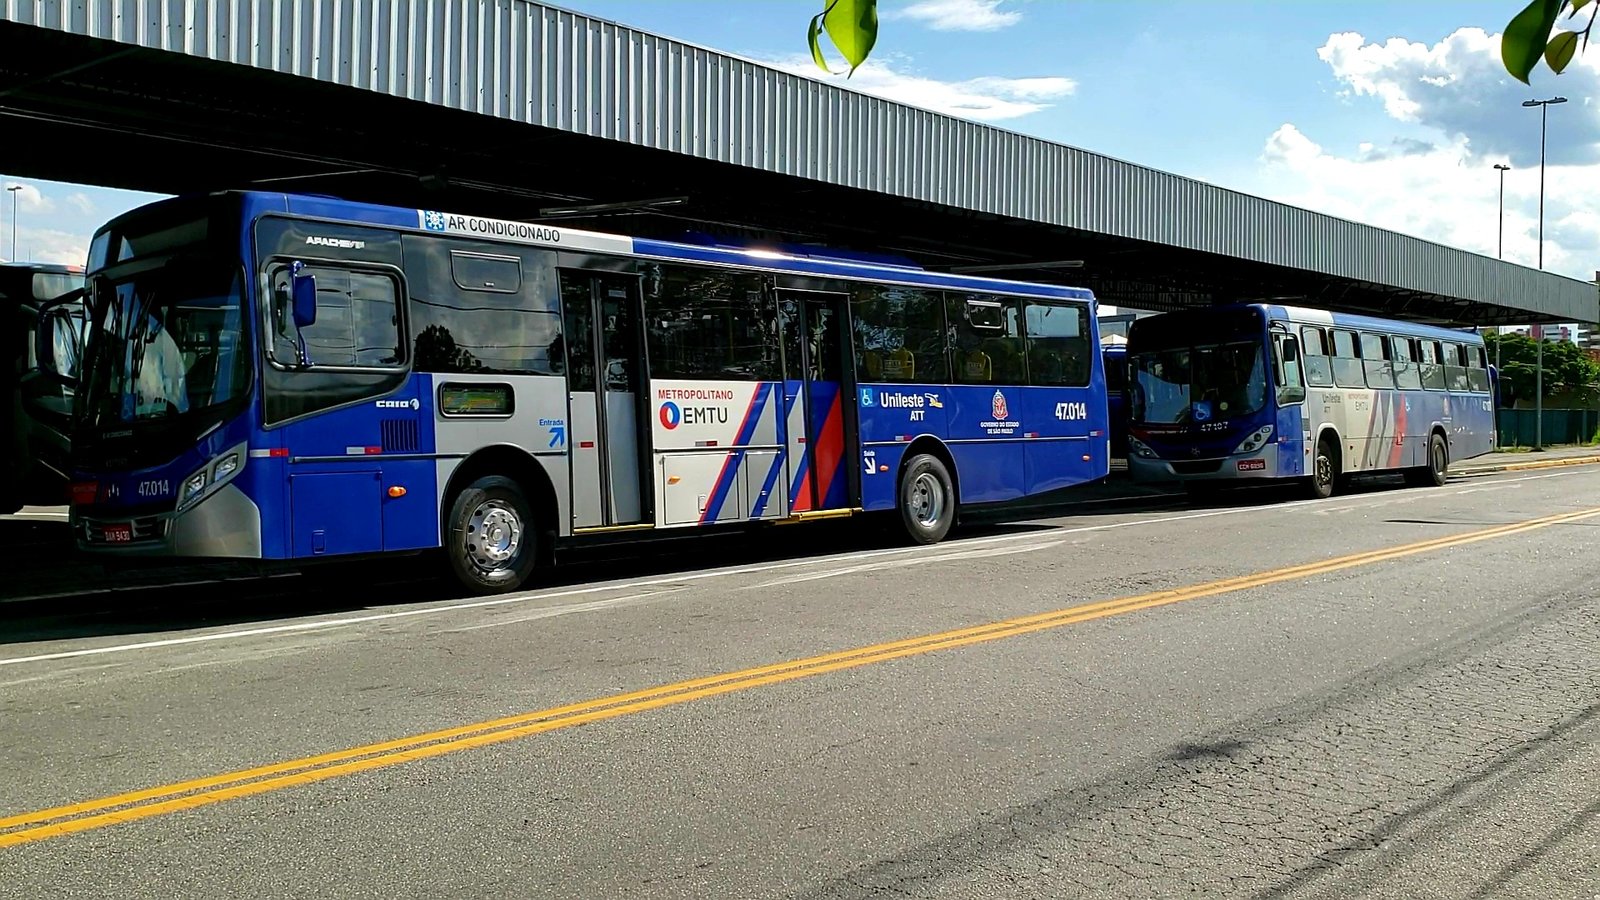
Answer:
(1522, 466)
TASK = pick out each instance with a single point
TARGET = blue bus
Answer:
(1251, 393)
(292, 378)
(1116, 366)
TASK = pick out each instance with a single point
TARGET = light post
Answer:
(1538, 365)
(14, 189)
(1501, 251)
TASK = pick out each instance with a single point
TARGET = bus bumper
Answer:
(1261, 464)
(225, 525)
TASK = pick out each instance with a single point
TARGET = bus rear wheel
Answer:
(927, 499)
(1324, 471)
(491, 536)
(1437, 470)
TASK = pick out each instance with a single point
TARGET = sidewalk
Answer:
(1515, 461)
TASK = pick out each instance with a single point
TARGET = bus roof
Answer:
(1303, 315)
(819, 263)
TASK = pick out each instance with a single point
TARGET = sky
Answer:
(1384, 113)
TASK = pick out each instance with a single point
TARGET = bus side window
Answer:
(1376, 361)
(1286, 366)
(1477, 370)
(1455, 356)
(1058, 343)
(988, 339)
(1318, 365)
(1347, 372)
(1407, 374)
(899, 334)
(1432, 366)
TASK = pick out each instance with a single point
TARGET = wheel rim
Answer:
(1324, 469)
(927, 500)
(494, 537)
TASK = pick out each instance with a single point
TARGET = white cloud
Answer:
(1443, 194)
(29, 199)
(81, 202)
(44, 245)
(1451, 113)
(1459, 86)
(987, 99)
(959, 15)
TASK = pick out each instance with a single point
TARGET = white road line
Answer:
(902, 563)
(591, 606)
(679, 579)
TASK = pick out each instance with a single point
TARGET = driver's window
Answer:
(357, 320)
(1286, 361)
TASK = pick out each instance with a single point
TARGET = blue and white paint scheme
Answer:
(1259, 391)
(244, 420)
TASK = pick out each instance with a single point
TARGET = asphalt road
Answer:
(1390, 694)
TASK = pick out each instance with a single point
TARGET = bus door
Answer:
(821, 421)
(601, 312)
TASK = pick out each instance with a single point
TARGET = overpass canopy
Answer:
(517, 110)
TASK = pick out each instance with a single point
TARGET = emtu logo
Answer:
(670, 415)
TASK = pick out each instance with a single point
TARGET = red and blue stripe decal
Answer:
(735, 457)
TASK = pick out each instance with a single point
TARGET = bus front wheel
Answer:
(927, 499)
(491, 536)
(1324, 471)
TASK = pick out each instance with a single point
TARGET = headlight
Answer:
(194, 487)
(225, 467)
(1255, 441)
(1140, 448)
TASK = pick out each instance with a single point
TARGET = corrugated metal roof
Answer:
(549, 67)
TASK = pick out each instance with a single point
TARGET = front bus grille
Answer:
(1196, 467)
(144, 528)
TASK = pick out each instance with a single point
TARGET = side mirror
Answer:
(1291, 351)
(303, 296)
(57, 339)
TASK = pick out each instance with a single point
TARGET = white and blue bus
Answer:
(291, 377)
(1247, 393)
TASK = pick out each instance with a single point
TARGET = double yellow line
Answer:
(133, 806)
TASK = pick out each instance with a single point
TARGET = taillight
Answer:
(83, 493)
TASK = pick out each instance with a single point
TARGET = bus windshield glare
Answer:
(1185, 385)
(166, 342)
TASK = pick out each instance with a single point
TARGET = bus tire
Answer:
(1435, 473)
(927, 499)
(491, 536)
(1324, 471)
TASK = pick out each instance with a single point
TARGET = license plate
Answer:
(117, 534)
(1252, 465)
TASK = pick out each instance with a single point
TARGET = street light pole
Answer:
(14, 189)
(1500, 252)
(1538, 366)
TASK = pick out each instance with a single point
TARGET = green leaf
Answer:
(1578, 4)
(1522, 46)
(853, 27)
(813, 35)
(1559, 53)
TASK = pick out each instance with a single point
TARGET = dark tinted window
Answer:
(476, 311)
(988, 339)
(1058, 343)
(1455, 369)
(482, 272)
(357, 324)
(1432, 367)
(710, 324)
(899, 334)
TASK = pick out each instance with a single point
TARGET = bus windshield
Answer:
(1190, 385)
(164, 343)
